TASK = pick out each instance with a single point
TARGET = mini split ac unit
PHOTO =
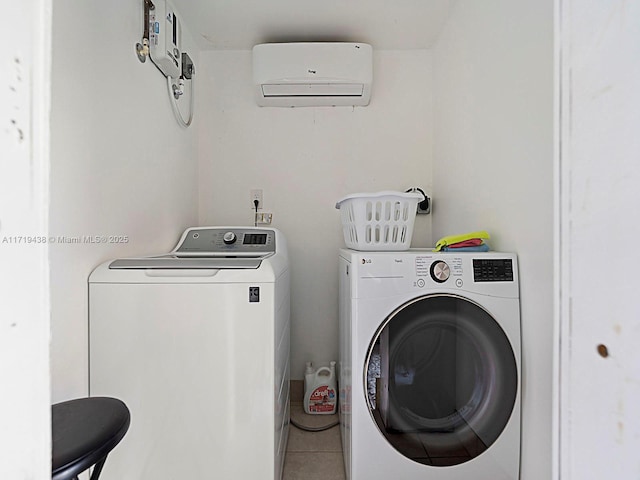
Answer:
(312, 74)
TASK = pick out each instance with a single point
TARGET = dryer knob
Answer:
(229, 238)
(440, 271)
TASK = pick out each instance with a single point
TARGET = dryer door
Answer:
(441, 380)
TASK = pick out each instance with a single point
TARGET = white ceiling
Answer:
(385, 24)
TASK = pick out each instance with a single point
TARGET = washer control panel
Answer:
(492, 270)
(214, 241)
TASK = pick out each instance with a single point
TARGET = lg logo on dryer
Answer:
(368, 260)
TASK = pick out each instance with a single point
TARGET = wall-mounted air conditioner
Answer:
(312, 74)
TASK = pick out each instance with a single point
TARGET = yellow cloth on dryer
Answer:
(451, 239)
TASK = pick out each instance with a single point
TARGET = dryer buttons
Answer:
(440, 271)
(420, 282)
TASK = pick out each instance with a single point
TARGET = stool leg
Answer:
(97, 468)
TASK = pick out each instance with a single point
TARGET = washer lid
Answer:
(210, 248)
(169, 262)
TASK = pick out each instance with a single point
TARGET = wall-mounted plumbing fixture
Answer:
(162, 43)
(142, 48)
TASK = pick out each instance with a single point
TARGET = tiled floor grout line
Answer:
(313, 455)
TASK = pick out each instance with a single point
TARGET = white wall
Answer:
(25, 425)
(121, 165)
(493, 170)
(305, 159)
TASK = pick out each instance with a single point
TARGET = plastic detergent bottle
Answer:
(320, 394)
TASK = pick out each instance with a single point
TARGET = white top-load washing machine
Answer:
(196, 343)
(430, 365)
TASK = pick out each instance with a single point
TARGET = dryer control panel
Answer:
(424, 271)
(492, 270)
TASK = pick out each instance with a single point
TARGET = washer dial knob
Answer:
(229, 238)
(440, 271)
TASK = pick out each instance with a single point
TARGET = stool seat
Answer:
(84, 431)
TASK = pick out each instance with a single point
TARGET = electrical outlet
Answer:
(256, 194)
(425, 205)
(264, 218)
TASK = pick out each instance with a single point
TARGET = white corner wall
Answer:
(120, 165)
(25, 409)
(305, 159)
(493, 170)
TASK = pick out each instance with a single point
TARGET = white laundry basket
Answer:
(379, 221)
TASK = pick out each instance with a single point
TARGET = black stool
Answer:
(83, 432)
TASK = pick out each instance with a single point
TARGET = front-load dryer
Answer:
(196, 343)
(429, 365)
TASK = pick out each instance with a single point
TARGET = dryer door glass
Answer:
(441, 380)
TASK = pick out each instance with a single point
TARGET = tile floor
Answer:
(313, 455)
